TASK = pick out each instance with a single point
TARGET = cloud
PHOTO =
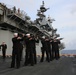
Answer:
(72, 8)
(64, 18)
(73, 11)
(69, 39)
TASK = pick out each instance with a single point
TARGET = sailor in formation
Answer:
(45, 48)
(30, 57)
(29, 50)
(49, 46)
(55, 49)
(16, 51)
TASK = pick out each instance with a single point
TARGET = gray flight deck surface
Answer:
(63, 66)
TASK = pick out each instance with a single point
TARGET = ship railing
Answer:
(20, 14)
(9, 10)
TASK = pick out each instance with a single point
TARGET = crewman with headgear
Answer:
(4, 47)
(57, 52)
(34, 41)
(16, 51)
(55, 48)
(45, 48)
(29, 50)
(49, 48)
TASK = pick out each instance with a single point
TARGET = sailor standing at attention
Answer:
(55, 49)
(4, 47)
(34, 41)
(16, 51)
(45, 48)
(29, 50)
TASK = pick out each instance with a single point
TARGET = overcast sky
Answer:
(63, 11)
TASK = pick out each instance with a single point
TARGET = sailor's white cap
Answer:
(16, 34)
(43, 37)
(27, 34)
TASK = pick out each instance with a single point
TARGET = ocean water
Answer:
(68, 52)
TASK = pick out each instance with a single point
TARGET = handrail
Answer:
(9, 9)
